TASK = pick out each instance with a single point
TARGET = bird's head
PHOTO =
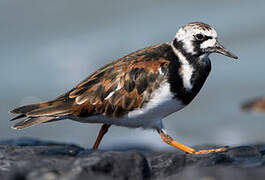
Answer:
(199, 39)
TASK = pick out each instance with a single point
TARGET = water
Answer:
(46, 47)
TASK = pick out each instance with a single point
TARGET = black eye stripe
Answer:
(202, 38)
(207, 37)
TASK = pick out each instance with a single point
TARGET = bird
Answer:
(254, 105)
(137, 90)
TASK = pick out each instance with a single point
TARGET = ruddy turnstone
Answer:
(254, 105)
(139, 89)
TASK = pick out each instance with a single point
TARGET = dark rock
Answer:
(118, 165)
(246, 156)
(29, 142)
(27, 159)
(219, 173)
(164, 164)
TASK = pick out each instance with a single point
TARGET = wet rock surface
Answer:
(29, 159)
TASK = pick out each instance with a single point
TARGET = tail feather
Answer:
(25, 109)
(53, 110)
(18, 117)
(31, 122)
(40, 113)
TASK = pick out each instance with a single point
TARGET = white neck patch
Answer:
(181, 35)
(186, 70)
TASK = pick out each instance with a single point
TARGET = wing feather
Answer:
(120, 86)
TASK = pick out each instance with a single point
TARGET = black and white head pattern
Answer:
(194, 38)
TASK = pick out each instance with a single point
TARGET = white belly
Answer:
(161, 104)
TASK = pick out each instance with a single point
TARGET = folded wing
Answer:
(120, 86)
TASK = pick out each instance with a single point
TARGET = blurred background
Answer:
(46, 47)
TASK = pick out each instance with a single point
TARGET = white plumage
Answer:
(150, 115)
(186, 69)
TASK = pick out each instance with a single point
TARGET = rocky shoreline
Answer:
(30, 159)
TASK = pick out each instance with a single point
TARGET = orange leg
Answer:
(167, 139)
(102, 132)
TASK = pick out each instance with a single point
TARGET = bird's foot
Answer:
(207, 151)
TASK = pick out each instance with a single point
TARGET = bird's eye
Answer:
(199, 37)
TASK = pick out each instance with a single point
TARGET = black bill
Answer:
(218, 48)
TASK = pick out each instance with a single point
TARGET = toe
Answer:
(207, 151)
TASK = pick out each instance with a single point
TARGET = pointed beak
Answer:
(218, 48)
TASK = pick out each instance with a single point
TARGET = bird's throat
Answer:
(187, 75)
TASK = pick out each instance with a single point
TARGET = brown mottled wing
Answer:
(113, 90)
(122, 85)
